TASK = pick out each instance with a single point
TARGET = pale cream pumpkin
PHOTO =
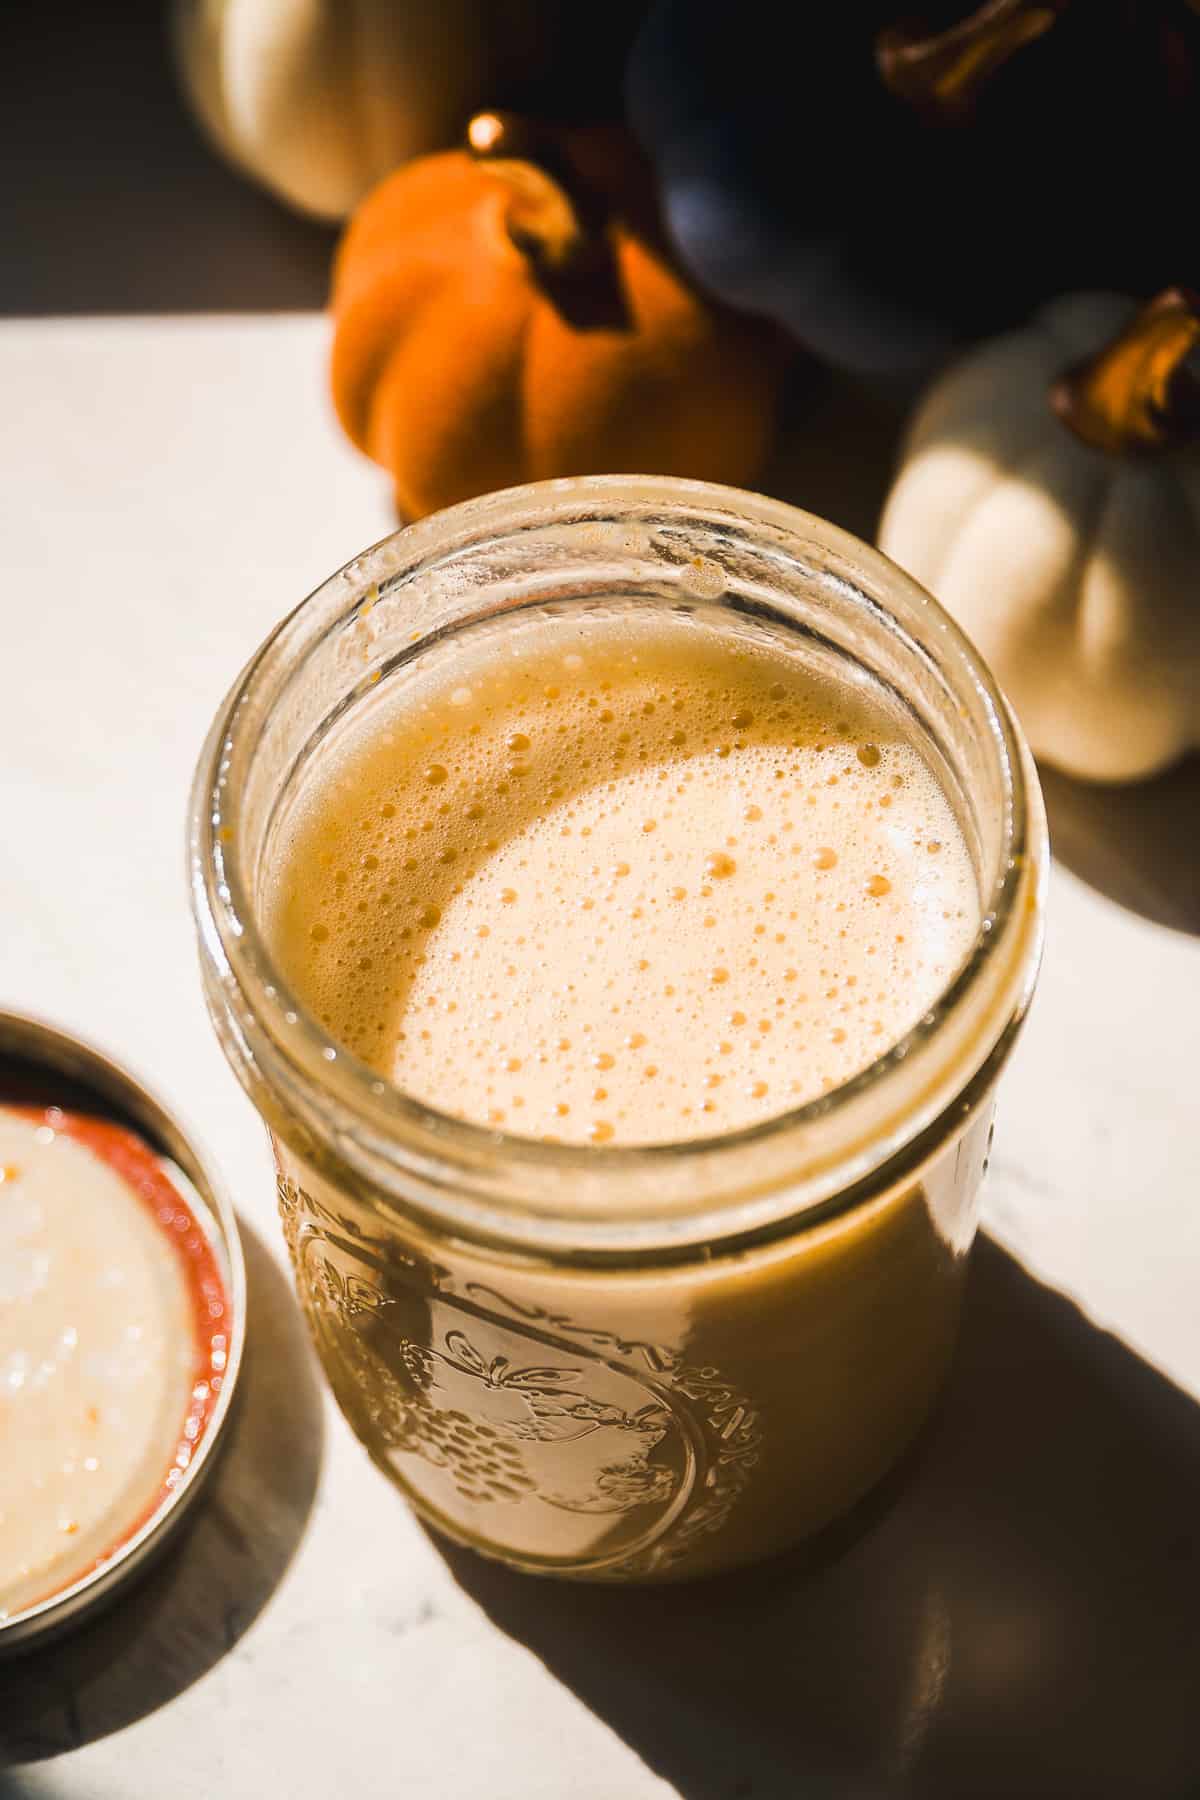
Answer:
(1049, 496)
(320, 99)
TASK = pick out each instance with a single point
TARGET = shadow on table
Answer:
(194, 1605)
(121, 206)
(1139, 845)
(1023, 1619)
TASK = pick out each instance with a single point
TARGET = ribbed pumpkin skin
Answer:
(1073, 571)
(459, 371)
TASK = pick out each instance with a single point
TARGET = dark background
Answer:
(111, 202)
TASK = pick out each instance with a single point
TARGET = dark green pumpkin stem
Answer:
(1138, 395)
(941, 74)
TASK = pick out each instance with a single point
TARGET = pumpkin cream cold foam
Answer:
(619, 899)
(643, 889)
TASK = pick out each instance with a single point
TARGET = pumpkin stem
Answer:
(546, 219)
(1137, 395)
(942, 73)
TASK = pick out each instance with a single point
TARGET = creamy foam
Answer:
(638, 886)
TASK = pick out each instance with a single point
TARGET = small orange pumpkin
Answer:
(505, 314)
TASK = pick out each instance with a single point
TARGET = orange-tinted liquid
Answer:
(626, 884)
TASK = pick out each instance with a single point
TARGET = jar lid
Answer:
(64, 1098)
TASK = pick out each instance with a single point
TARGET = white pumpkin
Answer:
(320, 99)
(1075, 569)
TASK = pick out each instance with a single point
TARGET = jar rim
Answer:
(484, 1183)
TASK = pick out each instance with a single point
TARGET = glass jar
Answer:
(605, 1362)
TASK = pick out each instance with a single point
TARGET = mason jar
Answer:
(624, 1363)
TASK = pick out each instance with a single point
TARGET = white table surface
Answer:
(1023, 1619)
